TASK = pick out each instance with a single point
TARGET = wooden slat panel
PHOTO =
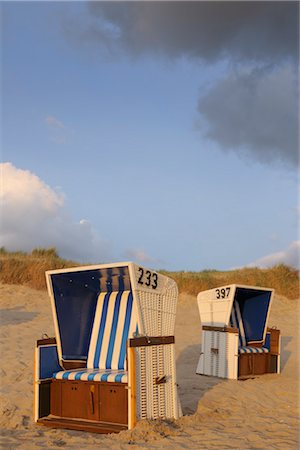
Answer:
(82, 425)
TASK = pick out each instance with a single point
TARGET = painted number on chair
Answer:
(223, 293)
(147, 278)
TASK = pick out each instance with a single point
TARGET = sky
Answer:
(164, 133)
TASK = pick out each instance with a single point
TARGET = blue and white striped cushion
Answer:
(117, 376)
(237, 322)
(248, 349)
(115, 321)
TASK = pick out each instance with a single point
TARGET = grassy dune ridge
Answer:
(29, 269)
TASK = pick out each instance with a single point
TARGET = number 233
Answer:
(147, 278)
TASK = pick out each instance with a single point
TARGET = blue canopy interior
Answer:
(254, 306)
(75, 297)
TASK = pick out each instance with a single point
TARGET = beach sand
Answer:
(260, 413)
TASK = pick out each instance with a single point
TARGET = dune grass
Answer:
(284, 279)
(29, 269)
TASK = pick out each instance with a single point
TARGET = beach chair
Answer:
(236, 340)
(112, 361)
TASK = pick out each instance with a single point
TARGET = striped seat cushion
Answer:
(115, 321)
(116, 376)
(248, 349)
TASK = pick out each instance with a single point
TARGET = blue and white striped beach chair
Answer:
(236, 341)
(113, 356)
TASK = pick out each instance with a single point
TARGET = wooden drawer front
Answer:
(253, 364)
(79, 400)
(113, 403)
(260, 363)
(104, 402)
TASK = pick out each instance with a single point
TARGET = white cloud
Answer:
(289, 256)
(139, 255)
(59, 134)
(54, 122)
(34, 215)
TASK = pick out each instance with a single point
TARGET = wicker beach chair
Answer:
(236, 341)
(112, 361)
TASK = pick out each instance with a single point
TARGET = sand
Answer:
(260, 413)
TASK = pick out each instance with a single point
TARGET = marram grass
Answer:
(29, 269)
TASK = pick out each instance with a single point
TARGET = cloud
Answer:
(58, 132)
(254, 113)
(54, 122)
(206, 30)
(34, 215)
(140, 256)
(289, 256)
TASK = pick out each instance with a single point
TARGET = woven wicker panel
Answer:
(157, 311)
(156, 400)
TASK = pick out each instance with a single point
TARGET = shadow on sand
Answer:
(15, 316)
(191, 386)
(285, 354)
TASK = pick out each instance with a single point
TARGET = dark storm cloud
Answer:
(255, 113)
(208, 30)
(252, 110)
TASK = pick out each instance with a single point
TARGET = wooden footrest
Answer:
(82, 425)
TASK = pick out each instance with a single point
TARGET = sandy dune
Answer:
(260, 413)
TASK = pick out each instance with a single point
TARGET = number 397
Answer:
(223, 293)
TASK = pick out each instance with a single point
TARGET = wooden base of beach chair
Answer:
(90, 400)
(253, 364)
(81, 425)
(257, 364)
(97, 407)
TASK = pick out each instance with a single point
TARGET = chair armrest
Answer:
(145, 341)
(46, 341)
(222, 329)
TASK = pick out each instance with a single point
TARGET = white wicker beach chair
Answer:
(112, 361)
(236, 341)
